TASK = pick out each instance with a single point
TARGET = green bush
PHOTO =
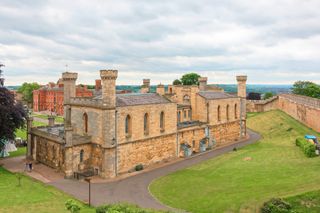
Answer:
(72, 206)
(123, 208)
(139, 167)
(308, 148)
(276, 205)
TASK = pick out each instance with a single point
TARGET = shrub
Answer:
(72, 206)
(276, 205)
(139, 167)
(308, 148)
(123, 208)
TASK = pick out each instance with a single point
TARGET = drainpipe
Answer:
(116, 144)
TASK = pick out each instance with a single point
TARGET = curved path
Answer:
(135, 189)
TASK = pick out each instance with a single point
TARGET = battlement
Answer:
(108, 74)
(241, 78)
(69, 76)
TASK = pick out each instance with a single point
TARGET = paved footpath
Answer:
(132, 189)
(135, 189)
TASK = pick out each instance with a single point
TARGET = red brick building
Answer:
(50, 97)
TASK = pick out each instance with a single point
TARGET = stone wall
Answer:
(304, 109)
(226, 133)
(48, 152)
(137, 113)
(146, 152)
(262, 105)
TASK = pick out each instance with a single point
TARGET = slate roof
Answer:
(133, 99)
(215, 95)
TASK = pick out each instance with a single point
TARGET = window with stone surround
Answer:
(227, 112)
(190, 114)
(85, 123)
(186, 99)
(146, 124)
(81, 155)
(128, 125)
(162, 121)
(218, 113)
(179, 116)
(235, 111)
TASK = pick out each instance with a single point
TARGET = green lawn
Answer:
(22, 133)
(21, 151)
(230, 184)
(31, 196)
(58, 119)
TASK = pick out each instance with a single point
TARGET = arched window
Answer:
(235, 111)
(179, 117)
(227, 112)
(81, 155)
(146, 123)
(162, 121)
(85, 123)
(128, 125)
(218, 113)
(186, 99)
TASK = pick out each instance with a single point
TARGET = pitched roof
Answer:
(215, 95)
(132, 99)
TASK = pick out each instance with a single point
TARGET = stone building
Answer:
(111, 133)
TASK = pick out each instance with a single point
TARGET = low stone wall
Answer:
(302, 108)
(262, 105)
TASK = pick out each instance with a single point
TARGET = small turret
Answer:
(108, 81)
(242, 79)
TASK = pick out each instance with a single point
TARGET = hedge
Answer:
(276, 205)
(308, 148)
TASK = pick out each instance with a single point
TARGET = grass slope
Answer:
(31, 196)
(230, 184)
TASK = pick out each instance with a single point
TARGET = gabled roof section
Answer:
(209, 95)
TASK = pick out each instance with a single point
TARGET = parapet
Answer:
(69, 76)
(241, 78)
(108, 74)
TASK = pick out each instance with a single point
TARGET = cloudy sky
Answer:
(272, 41)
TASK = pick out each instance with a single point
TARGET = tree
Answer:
(12, 115)
(27, 91)
(267, 95)
(177, 82)
(306, 88)
(254, 96)
(190, 79)
(1, 79)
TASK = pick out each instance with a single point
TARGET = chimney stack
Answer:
(145, 88)
(160, 89)
(98, 85)
(202, 83)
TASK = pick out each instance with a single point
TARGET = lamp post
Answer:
(89, 181)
